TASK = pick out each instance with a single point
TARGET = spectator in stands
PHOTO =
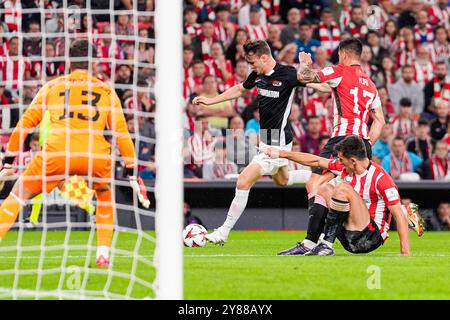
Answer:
(437, 88)
(291, 31)
(439, 13)
(244, 13)
(296, 123)
(107, 49)
(10, 66)
(408, 17)
(305, 42)
(357, 27)
(367, 62)
(310, 142)
(404, 123)
(218, 65)
(201, 146)
(188, 61)
(28, 94)
(32, 45)
(123, 79)
(421, 144)
(288, 55)
(317, 107)
(407, 87)
(323, 141)
(441, 45)
(328, 32)
(189, 218)
(321, 59)
(220, 167)
(405, 47)
(440, 219)
(146, 51)
(52, 69)
(439, 125)
(123, 29)
(144, 153)
(274, 40)
(389, 36)
(218, 113)
(446, 138)
(235, 51)
(382, 147)
(439, 163)
(191, 27)
(386, 74)
(240, 149)
(252, 127)
(194, 83)
(342, 13)
(257, 29)
(202, 43)
(400, 162)
(386, 103)
(423, 67)
(423, 31)
(223, 27)
(378, 51)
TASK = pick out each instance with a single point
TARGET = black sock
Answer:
(310, 204)
(335, 219)
(316, 223)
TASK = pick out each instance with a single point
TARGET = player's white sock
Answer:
(102, 251)
(236, 208)
(298, 176)
(309, 244)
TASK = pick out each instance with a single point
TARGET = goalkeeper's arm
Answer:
(116, 121)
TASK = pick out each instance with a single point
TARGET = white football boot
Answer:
(217, 237)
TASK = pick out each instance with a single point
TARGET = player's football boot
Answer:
(298, 250)
(216, 237)
(321, 250)
(102, 262)
(415, 221)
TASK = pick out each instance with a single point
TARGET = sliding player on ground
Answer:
(359, 202)
(355, 97)
(81, 108)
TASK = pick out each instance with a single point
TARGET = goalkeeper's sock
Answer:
(36, 208)
(236, 208)
(9, 210)
(317, 217)
(298, 176)
(105, 219)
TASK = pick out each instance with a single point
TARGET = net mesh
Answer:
(55, 256)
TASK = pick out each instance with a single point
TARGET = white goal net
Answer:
(55, 249)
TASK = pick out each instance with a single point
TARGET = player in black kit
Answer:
(276, 86)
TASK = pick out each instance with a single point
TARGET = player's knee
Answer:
(243, 183)
(312, 183)
(281, 181)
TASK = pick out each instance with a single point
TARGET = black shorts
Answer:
(363, 241)
(329, 152)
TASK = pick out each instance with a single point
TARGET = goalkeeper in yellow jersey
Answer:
(81, 108)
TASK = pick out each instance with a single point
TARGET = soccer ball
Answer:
(194, 235)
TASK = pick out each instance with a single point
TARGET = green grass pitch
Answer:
(245, 268)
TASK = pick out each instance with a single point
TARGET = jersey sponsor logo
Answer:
(277, 83)
(391, 194)
(364, 81)
(327, 71)
(268, 93)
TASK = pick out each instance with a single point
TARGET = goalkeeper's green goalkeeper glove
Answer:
(139, 187)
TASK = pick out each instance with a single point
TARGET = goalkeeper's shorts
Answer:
(54, 171)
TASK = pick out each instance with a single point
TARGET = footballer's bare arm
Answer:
(305, 73)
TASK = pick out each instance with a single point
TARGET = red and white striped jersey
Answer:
(214, 69)
(9, 71)
(441, 51)
(52, 69)
(190, 86)
(192, 30)
(404, 128)
(376, 187)
(354, 95)
(200, 149)
(223, 34)
(12, 15)
(424, 72)
(439, 16)
(316, 108)
(260, 32)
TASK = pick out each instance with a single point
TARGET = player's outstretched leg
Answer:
(105, 226)
(245, 182)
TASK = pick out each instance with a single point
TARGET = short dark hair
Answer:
(351, 45)
(80, 49)
(256, 47)
(405, 102)
(399, 138)
(304, 23)
(34, 137)
(423, 122)
(352, 146)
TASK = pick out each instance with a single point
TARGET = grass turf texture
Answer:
(247, 268)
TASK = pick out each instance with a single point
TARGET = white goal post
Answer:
(169, 144)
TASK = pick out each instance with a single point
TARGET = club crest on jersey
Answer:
(348, 179)
(277, 83)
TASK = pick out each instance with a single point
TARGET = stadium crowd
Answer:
(406, 52)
